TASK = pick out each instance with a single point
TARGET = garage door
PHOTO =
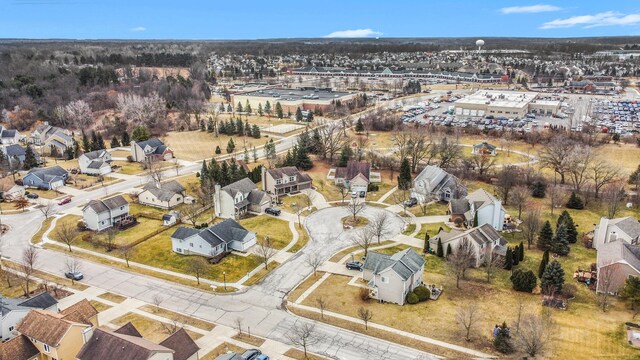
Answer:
(358, 187)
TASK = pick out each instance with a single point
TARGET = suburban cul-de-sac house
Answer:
(14, 310)
(163, 195)
(213, 241)
(433, 183)
(16, 154)
(391, 277)
(356, 176)
(95, 162)
(284, 180)
(486, 241)
(48, 178)
(52, 137)
(484, 148)
(8, 137)
(626, 229)
(151, 150)
(99, 215)
(481, 205)
(236, 199)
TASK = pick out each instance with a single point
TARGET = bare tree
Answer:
(154, 171)
(171, 327)
(519, 197)
(468, 316)
(344, 191)
(79, 113)
(191, 212)
(533, 335)
(401, 197)
(531, 225)
(110, 238)
(47, 209)
(265, 252)
(143, 110)
(29, 260)
(612, 196)
(448, 153)
(21, 203)
(127, 253)
(380, 224)
(491, 264)
(578, 164)
(303, 335)
(322, 304)
(332, 139)
(365, 315)
(197, 266)
(238, 323)
(483, 163)
(299, 206)
(506, 181)
(555, 156)
(463, 258)
(66, 233)
(555, 194)
(314, 261)
(355, 207)
(363, 238)
(602, 173)
(157, 300)
(72, 265)
(606, 278)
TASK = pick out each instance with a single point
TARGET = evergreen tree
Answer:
(204, 173)
(76, 150)
(247, 128)
(572, 232)
(231, 146)
(267, 108)
(140, 133)
(630, 293)
(218, 150)
(316, 142)
(126, 141)
(545, 237)
(553, 278)
(229, 108)
(260, 109)
(279, 113)
(475, 219)
(221, 107)
(538, 189)
(449, 250)
(255, 131)
(345, 155)
(560, 244)
(440, 249)
(404, 179)
(247, 107)
(634, 178)
(246, 156)
(298, 114)
(30, 160)
(239, 127)
(100, 143)
(114, 142)
(94, 141)
(86, 144)
(575, 202)
(508, 259)
(210, 125)
(359, 126)
(502, 341)
(426, 243)
(302, 159)
(309, 116)
(521, 252)
(515, 255)
(239, 107)
(523, 280)
(225, 176)
(543, 263)
(255, 154)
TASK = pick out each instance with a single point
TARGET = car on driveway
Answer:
(411, 202)
(251, 354)
(32, 196)
(363, 194)
(262, 357)
(354, 265)
(273, 211)
(74, 275)
(64, 201)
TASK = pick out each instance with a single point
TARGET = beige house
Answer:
(238, 198)
(165, 195)
(391, 277)
(356, 176)
(486, 241)
(284, 180)
(626, 229)
(617, 260)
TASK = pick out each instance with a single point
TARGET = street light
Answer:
(224, 276)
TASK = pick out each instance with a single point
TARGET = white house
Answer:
(95, 162)
(170, 218)
(214, 240)
(14, 310)
(163, 195)
(391, 277)
(480, 203)
(626, 229)
(8, 137)
(150, 150)
(52, 137)
(99, 215)
(237, 198)
(484, 239)
(435, 183)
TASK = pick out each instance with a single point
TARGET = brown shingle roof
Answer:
(18, 348)
(353, 169)
(182, 344)
(108, 345)
(83, 308)
(45, 326)
(128, 329)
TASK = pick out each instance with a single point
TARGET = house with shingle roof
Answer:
(49, 178)
(480, 203)
(391, 277)
(236, 199)
(13, 310)
(15, 155)
(626, 229)
(617, 260)
(99, 215)
(356, 176)
(183, 346)
(52, 137)
(486, 241)
(82, 312)
(435, 183)
(484, 148)
(165, 195)
(95, 162)
(284, 180)
(215, 240)
(18, 348)
(151, 150)
(8, 136)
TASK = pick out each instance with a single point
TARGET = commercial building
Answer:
(510, 104)
(292, 99)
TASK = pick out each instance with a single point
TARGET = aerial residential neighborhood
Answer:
(250, 181)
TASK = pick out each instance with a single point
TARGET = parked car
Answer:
(74, 275)
(65, 201)
(32, 196)
(273, 211)
(411, 202)
(363, 194)
(262, 357)
(354, 265)
(354, 194)
(251, 354)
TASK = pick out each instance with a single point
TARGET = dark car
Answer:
(74, 275)
(32, 196)
(411, 202)
(65, 201)
(354, 265)
(273, 211)
(363, 194)
(251, 354)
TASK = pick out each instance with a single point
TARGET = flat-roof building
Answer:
(291, 99)
(509, 104)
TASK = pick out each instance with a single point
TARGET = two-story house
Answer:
(49, 178)
(626, 229)
(486, 241)
(14, 310)
(8, 136)
(52, 137)
(16, 154)
(236, 199)
(81, 312)
(165, 195)
(100, 215)
(213, 241)
(95, 162)
(355, 176)
(435, 183)
(480, 207)
(617, 260)
(391, 277)
(151, 150)
(284, 180)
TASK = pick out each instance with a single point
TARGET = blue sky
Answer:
(255, 19)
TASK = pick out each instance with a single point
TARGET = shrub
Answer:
(538, 189)
(364, 294)
(502, 341)
(422, 293)
(575, 202)
(373, 187)
(412, 298)
(129, 158)
(570, 290)
(523, 280)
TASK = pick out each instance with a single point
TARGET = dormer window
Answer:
(292, 178)
(278, 181)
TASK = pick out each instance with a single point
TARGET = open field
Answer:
(265, 226)
(199, 145)
(135, 168)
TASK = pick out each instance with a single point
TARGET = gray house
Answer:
(391, 277)
(150, 150)
(48, 178)
(8, 136)
(486, 241)
(236, 199)
(435, 183)
(617, 260)
(14, 310)
(626, 229)
(102, 214)
(214, 240)
(15, 155)
(163, 195)
(95, 162)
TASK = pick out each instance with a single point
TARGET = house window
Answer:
(11, 328)
(384, 279)
(121, 207)
(179, 250)
(46, 348)
(292, 178)
(278, 181)
(191, 244)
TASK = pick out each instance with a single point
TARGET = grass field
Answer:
(99, 305)
(277, 230)
(150, 329)
(199, 145)
(183, 319)
(37, 237)
(303, 239)
(47, 194)
(83, 181)
(113, 297)
(431, 229)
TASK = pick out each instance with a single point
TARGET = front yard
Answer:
(83, 181)
(277, 230)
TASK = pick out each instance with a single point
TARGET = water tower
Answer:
(480, 44)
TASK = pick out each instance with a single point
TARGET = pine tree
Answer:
(475, 219)
(575, 202)
(552, 279)
(302, 159)
(86, 144)
(247, 107)
(515, 256)
(523, 280)
(502, 342)
(126, 141)
(246, 156)
(114, 142)
(260, 109)
(560, 244)
(521, 251)
(440, 249)
(239, 107)
(538, 189)
(229, 108)
(30, 160)
(218, 150)
(231, 146)
(543, 263)
(100, 143)
(267, 108)
(572, 232)
(298, 114)
(425, 249)
(247, 128)
(204, 173)
(345, 155)
(508, 259)
(255, 131)
(255, 154)
(359, 126)
(140, 133)
(449, 250)
(221, 107)
(239, 127)
(545, 237)
(279, 113)
(225, 176)
(404, 179)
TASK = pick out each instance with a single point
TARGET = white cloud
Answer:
(139, 29)
(359, 33)
(530, 9)
(608, 18)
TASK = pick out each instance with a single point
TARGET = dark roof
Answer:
(166, 217)
(95, 154)
(154, 142)
(164, 191)
(9, 133)
(405, 263)
(100, 206)
(48, 174)
(18, 348)
(15, 150)
(82, 308)
(352, 170)
(184, 232)
(40, 301)
(224, 232)
(243, 185)
(96, 164)
(459, 206)
(279, 173)
(45, 326)
(182, 344)
(109, 345)
(128, 329)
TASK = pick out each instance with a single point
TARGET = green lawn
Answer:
(277, 230)
(431, 229)
(436, 208)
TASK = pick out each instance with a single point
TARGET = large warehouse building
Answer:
(292, 99)
(510, 104)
